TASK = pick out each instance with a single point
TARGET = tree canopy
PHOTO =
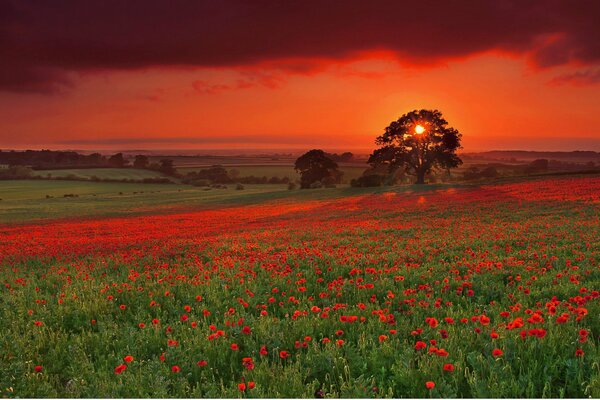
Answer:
(315, 166)
(418, 142)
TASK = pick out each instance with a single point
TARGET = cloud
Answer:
(42, 42)
(579, 78)
(249, 79)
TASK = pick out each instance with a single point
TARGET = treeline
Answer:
(51, 159)
(17, 172)
(217, 174)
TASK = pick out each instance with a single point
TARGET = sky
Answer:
(261, 74)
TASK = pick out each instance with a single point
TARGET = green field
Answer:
(279, 171)
(25, 200)
(102, 173)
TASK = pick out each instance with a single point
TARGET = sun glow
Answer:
(419, 129)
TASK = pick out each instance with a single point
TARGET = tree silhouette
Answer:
(117, 160)
(141, 161)
(314, 166)
(167, 167)
(418, 142)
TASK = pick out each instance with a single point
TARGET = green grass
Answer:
(280, 171)
(102, 173)
(25, 200)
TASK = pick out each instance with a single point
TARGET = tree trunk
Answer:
(420, 177)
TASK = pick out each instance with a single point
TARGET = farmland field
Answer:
(281, 171)
(489, 291)
(101, 173)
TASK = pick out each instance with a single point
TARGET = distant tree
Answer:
(418, 142)
(215, 174)
(539, 165)
(314, 166)
(141, 161)
(346, 157)
(167, 167)
(117, 160)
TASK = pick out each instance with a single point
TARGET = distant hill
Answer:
(581, 157)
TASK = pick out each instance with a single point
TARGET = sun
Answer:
(419, 129)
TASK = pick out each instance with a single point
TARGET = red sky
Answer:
(282, 75)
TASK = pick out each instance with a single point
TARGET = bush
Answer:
(371, 180)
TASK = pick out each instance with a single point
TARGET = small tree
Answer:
(141, 161)
(167, 167)
(117, 160)
(418, 142)
(314, 166)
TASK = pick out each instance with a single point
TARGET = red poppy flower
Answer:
(251, 385)
(497, 353)
(202, 363)
(420, 345)
(175, 369)
(234, 347)
(38, 368)
(448, 367)
(284, 354)
(120, 368)
(128, 359)
(579, 353)
(429, 385)
(263, 351)
(242, 386)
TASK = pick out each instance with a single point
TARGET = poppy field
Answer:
(489, 291)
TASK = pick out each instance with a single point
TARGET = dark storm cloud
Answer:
(42, 41)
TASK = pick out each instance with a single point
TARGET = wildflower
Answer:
(251, 385)
(175, 369)
(38, 368)
(202, 363)
(420, 345)
(263, 351)
(128, 359)
(497, 353)
(382, 338)
(429, 385)
(284, 354)
(234, 347)
(242, 386)
(120, 368)
(579, 353)
(448, 367)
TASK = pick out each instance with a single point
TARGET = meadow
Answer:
(440, 291)
(101, 173)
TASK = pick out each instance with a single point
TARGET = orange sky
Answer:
(497, 99)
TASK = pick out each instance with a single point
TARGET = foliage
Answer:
(141, 161)
(315, 166)
(401, 146)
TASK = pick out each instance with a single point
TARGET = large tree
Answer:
(314, 166)
(418, 142)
